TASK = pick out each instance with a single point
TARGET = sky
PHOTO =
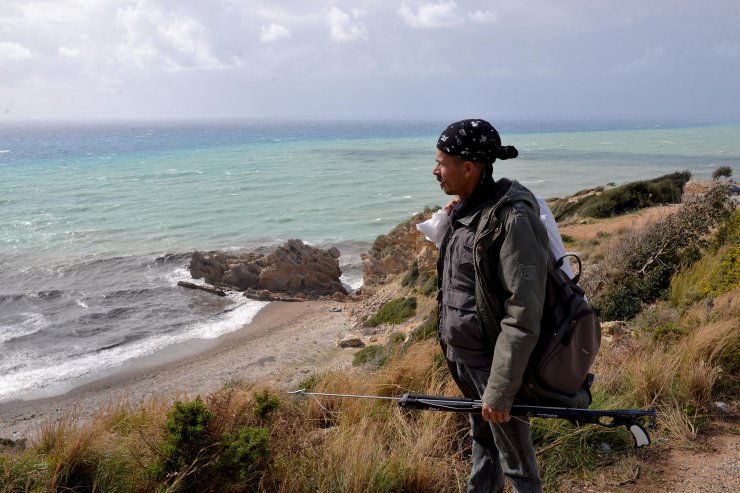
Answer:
(369, 59)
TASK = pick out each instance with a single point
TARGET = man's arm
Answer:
(522, 270)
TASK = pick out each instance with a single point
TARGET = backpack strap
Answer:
(559, 263)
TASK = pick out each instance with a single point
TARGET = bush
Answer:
(640, 264)
(427, 329)
(412, 275)
(187, 437)
(393, 312)
(195, 456)
(667, 189)
(377, 355)
(424, 282)
(722, 172)
(619, 303)
(265, 404)
(245, 454)
(727, 275)
(668, 333)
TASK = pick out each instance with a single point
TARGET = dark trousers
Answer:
(499, 450)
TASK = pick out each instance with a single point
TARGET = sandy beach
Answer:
(284, 344)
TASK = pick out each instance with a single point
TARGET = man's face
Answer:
(450, 173)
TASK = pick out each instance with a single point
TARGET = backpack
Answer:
(570, 335)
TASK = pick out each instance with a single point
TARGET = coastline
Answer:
(283, 344)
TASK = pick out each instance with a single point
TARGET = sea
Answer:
(98, 219)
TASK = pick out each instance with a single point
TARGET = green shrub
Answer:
(245, 454)
(265, 404)
(643, 261)
(378, 355)
(187, 436)
(729, 232)
(669, 333)
(423, 281)
(309, 383)
(667, 189)
(722, 172)
(412, 275)
(428, 284)
(393, 312)
(195, 457)
(727, 275)
(427, 329)
(619, 303)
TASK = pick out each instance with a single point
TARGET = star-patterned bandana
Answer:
(475, 140)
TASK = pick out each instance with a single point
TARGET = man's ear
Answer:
(471, 168)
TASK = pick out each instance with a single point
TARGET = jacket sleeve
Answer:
(522, 271)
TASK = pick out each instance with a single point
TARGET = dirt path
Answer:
(714, 469)
(593, 228)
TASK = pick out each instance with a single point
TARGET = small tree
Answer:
(722, 172)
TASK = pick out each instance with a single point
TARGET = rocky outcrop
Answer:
(393, 253)
(293, 269)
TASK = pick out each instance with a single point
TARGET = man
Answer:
(492, 270)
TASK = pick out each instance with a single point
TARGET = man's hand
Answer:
(451, 205)
(493, 416)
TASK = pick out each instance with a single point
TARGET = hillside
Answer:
(679, 352)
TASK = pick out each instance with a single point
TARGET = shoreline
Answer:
(282, 345)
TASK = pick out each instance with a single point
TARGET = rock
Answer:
(334, 252)
(350, 341)
(721, 407)
(293, 269)
(614, 328)
(208, 289)
(339, 296)
(394, 253)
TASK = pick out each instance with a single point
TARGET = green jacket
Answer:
(510, 260)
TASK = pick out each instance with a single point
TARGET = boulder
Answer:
(293, 269)
(350, 341)
(393, 253)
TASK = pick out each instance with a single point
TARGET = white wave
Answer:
(177, 275)
(3, 151)
(64, 373)
(32, 323)
(352, 282)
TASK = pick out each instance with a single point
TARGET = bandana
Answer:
(475, 140)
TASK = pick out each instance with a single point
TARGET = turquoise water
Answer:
(182, 192)
(97, 220)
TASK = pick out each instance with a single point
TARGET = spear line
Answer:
(609, 418)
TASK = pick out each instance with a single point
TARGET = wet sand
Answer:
(283, 345)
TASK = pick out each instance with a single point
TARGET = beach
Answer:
(284, 344)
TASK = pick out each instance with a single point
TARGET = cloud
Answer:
(432, 15)
(69, 52)
(273, 32)
(167, 39)
(14, 51)
(482, 17)
(344, 26)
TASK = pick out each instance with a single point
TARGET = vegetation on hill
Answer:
(639, 264)
(722, 172)
(680, 353)
(600, 202)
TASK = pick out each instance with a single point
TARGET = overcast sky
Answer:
(370, 59)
